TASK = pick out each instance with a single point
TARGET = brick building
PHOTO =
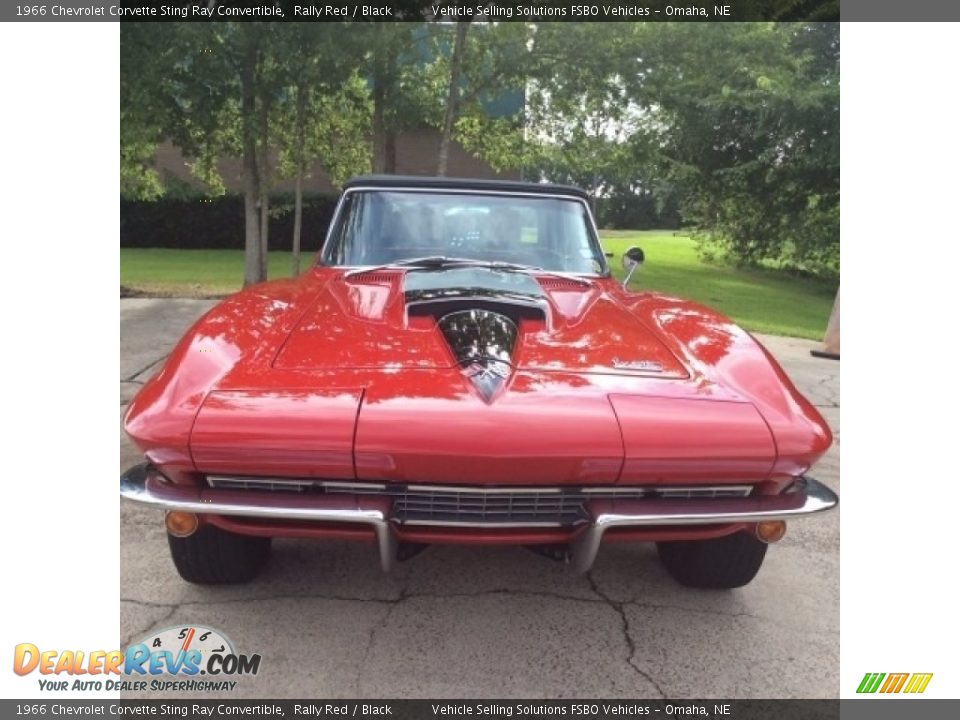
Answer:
(416, 154)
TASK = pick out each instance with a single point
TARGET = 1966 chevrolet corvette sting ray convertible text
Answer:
(459, 366)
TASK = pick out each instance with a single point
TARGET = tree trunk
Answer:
(379, 127)
(264, 228)
(453, 96)
(390, 153)
(251, 244)
(379, 101)
(264, 129)
(831, 340)
(298, 190)
(252, 268)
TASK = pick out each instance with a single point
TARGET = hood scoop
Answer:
(437, 293)
(487, 323)
(482, 341)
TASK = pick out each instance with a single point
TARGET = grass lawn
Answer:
(762, 301)
(164, 271)
(759, 300)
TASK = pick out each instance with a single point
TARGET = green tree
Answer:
(225, 83)
(497, 64)
(452, 105)
(406, 85)
(277, 97)
(144, 67)
(746, 118)
(328, 111)
(737, 123)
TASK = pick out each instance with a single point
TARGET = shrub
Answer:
(217, 223)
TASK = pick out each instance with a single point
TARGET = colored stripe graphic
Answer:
(870, 682)
(895, 683)
(918, 682)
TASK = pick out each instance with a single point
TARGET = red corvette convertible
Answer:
(459, 366)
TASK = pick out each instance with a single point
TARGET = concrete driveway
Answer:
(497, 622)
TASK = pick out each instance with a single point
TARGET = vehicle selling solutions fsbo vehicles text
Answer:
(451, 12)
(574, 710)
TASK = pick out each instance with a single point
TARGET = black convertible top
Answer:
(439, 183)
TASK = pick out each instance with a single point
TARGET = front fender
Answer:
(245, 329)
(721, 352)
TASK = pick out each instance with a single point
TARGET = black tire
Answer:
(726, 562)
(212, 556)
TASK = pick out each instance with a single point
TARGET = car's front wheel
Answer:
(726, 562)
(212, 556)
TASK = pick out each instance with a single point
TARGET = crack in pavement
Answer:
(261, 598)
(371, 638)
(617, 607)
(391, 603)
(132, 378)
(826, 392)
(403, 596)
(705, 611)
(155, 624)
(602, 599)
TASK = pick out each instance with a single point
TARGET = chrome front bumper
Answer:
(143, 485)
(805, 497)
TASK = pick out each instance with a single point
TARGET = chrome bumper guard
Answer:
(804, 497)
(147, 486)
(144, 485)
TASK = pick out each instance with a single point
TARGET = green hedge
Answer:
(217, 223)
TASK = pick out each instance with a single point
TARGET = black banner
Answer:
(488, 709)
(477, 10)
(425, 10)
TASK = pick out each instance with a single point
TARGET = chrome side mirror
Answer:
(631, 260)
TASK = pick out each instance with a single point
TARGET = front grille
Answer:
(491, 506)
(426, 505)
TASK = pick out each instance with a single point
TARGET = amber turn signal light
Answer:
(771, 531)
(181, 524)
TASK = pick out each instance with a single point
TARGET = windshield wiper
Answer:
(531, 270)
(439, 262)
(428, 261)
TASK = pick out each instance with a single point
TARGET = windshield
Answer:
(380, 227)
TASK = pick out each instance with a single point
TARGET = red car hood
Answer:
(365, 321)
(366, 384)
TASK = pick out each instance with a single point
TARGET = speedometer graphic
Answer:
(179, 640)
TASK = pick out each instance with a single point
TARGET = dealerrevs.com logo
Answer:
(182, 658)
(910, 683)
